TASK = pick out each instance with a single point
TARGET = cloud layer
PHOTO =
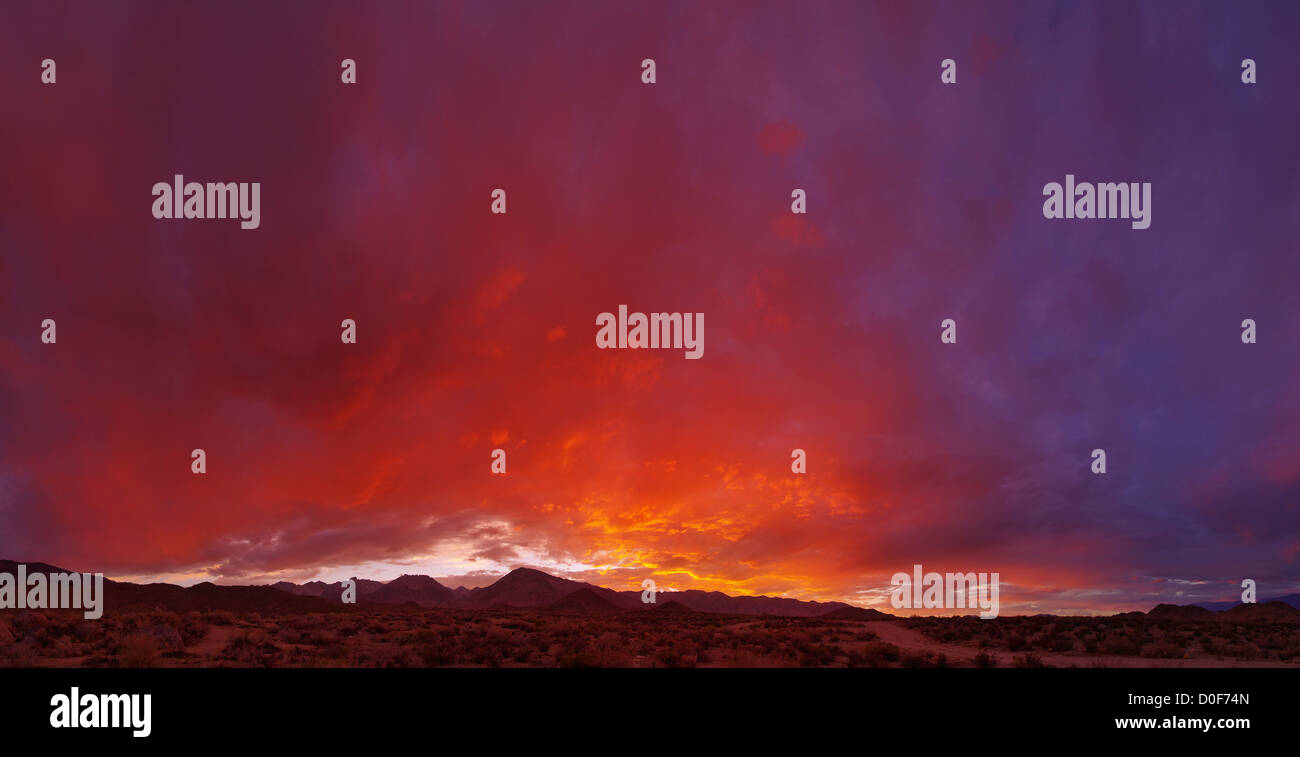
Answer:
(476, 331)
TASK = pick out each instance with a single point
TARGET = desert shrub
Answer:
(320, 638)
(1061, 644)
(578, 658)
(18, 656)
(437, 653)
(60, 646)
(221, 618)
(745, 658)
(1243, 650)
(138, 651)
(423, 636)
(1120, 645)
(879, 654)
(160, 617)
(192, 628)
(1163, 650)
(238, 644)
(817, 655)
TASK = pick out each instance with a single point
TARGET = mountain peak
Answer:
(584, 601)
(523, 572)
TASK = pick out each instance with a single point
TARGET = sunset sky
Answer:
(476, 331)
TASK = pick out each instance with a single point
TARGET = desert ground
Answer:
(666, 637)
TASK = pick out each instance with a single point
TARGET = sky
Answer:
(476, 331)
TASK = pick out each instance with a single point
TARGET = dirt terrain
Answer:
(673, 637)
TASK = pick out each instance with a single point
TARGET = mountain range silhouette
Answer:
(528, 588)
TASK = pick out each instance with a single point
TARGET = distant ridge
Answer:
(1179, 612)
(421, 590)
(584, 601)
(524, 588)
(716, 601)
(11, 566)
(529, 587)
(129, 597)
(334, 591)
(1290, 599)
(520, 588)
(1263, 612)
(856, 613)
